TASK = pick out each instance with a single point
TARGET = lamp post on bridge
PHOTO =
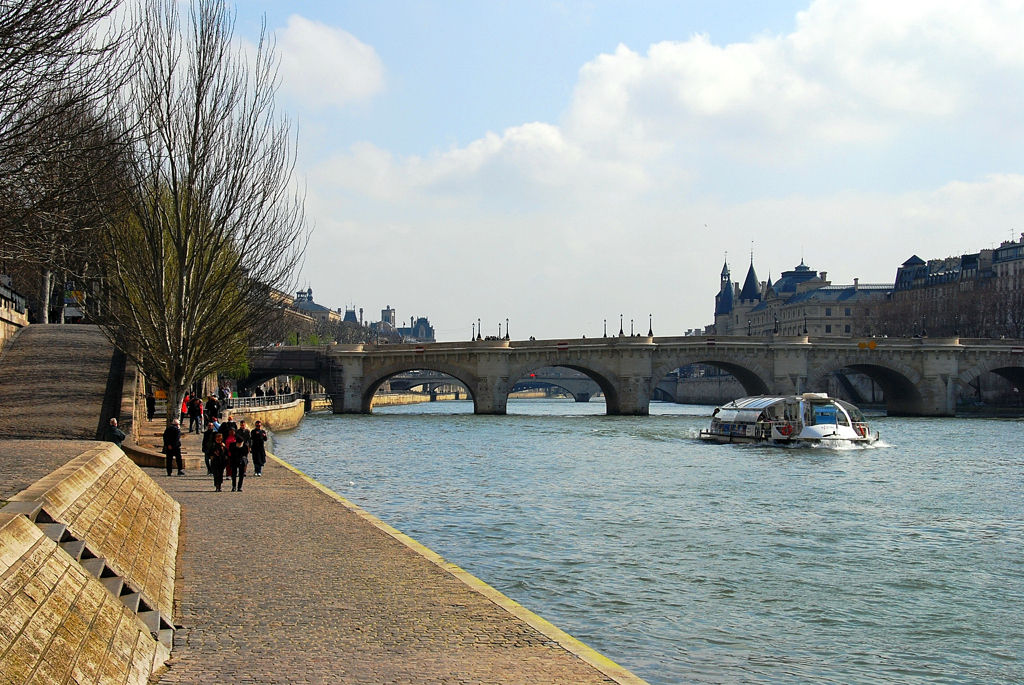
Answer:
(621, 334)
(606, 328)
(650, 325)
(506, 330)
(472, 335)
(479, 330)
(805, 324)
(631, 328)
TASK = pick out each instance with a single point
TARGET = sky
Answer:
(559, 164)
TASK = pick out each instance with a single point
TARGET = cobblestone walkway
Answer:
(283, 584)
(53, 382)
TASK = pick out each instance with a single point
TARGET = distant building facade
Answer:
(304, 303)
(801, 302)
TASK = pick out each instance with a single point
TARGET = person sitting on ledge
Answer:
(113, 434)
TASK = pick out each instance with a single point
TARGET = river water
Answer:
(691, 562)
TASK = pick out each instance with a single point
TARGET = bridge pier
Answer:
(581, 396)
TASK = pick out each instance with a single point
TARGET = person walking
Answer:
(213, 408)
(150, 405)
(195, 415)
(258, 439)
(172, 446)
(113, 434)
(184, 406)
(208, 438)
(218, 460)
(239, 453)
(244, 434)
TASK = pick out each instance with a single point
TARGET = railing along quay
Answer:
(265, 401)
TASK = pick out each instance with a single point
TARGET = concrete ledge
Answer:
(58, 624)
(153, 459)
(121, 513)
(600, 662)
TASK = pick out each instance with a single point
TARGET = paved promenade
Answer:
(23, 462)
(282, 583)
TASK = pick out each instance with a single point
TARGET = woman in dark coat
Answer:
(218, 460)
(258, 437)
(239, 453)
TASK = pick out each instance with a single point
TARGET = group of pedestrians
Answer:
(228, 446)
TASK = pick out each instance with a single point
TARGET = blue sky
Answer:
(556, 163)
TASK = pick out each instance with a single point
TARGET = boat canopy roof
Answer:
(748, 408)
(738, 416)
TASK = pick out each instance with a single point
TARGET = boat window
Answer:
(841, 418)
(855, 414)
(824, 413)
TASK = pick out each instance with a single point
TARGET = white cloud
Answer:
(324, 66)
(562, 224)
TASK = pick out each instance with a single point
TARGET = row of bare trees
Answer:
(143, 154)
(993, 309)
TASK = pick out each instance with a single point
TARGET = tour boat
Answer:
(813, 418)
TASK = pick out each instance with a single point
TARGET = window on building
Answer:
(828, 312)
(828, 328)
(847, 311)
(847, 328)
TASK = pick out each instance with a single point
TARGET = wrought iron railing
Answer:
(16, 300)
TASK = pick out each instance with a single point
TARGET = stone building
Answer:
(305, 304)
(801, 302)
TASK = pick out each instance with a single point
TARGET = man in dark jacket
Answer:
(150, 405)
(172, 446)
(113, 434)
(208, 441)
(213, 408)
(258, 438)
(195, 415)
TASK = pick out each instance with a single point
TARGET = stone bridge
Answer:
(919, 376)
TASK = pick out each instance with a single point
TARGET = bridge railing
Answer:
(265, 401)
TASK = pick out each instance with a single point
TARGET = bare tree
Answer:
(211, 226)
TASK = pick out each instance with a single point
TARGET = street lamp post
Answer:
(606, 328)
(621, 333)
(472, 335)
(631, 328)
(805, 324)
(650, 325)
(748, 328)
(479, 330)
(506, 330)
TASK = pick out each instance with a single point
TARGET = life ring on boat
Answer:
(861, 430)
(785, 429)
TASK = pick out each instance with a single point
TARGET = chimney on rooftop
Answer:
(856, 284)
(823, 275)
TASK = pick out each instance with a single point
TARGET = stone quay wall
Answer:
(11, 320)
(87, 572)
(275, 417)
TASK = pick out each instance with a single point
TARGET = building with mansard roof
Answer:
(801, 302)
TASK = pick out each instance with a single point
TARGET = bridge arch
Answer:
(373, 381)
(603, 377)
(754, 378)
(900, 383)
(1012, 369)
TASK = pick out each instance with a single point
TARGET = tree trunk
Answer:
(174, 396)
(44, 296)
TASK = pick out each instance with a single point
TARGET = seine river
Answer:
(688, 562)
